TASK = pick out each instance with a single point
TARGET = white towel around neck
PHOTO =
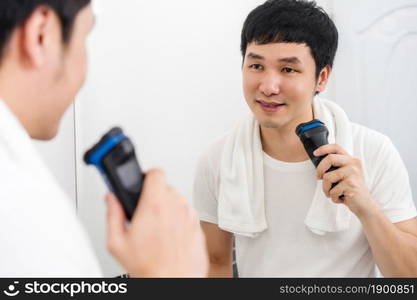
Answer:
(241, 204)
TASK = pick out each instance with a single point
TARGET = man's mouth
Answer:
(270, 106)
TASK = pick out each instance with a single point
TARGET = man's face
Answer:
(67, 72)
(279, 83)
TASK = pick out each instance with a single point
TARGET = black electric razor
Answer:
(114, 156)
(313, 135)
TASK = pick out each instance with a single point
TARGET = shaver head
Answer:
(305, 128)
(110, 140)
(313, 135)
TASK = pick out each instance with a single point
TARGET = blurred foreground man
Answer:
(42, 67)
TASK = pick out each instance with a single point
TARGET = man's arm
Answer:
(220, 250)
(394, 246)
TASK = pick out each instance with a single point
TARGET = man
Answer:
(42, 67)
(257, 185)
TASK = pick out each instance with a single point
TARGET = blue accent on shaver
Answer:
(310, 126)
(105, 148)
(96, 158)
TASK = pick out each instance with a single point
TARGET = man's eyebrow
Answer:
(255, 56)
(291, 60)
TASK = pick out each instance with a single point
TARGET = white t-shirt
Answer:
(288, 248)
(40, 235)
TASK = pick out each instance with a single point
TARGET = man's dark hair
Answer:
(293, 21)
(13, 13)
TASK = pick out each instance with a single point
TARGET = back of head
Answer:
(42, 48)
(293, 21)
(14, 13)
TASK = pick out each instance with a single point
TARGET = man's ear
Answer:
(323, 78)
(37, 35)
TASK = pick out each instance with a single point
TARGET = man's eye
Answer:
(256, 67)
(288, 70)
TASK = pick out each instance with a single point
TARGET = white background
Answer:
(168, 72)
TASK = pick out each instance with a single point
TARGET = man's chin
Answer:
(45, 134)
(268, 121)
(269, 125)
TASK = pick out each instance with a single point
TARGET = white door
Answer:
(376, 70)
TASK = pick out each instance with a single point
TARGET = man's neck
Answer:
(13, 93)
(283, 144)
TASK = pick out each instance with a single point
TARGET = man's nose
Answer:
(270, 85)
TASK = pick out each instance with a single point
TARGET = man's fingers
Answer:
(329, 149)
(116, 230)
(332, 160)
(154, 194)
(336, 192)
(154, 184)
(335, 177)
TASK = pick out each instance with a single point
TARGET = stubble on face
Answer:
(270, 125)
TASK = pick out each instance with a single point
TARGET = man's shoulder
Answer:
(37, 214)
(372, 147)
(213, 153)
(367, 140)
(367, 135)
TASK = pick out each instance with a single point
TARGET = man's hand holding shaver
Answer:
(164, 237)
(348, 178)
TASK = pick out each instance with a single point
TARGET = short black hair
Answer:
(13, 13)
(293, 21)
